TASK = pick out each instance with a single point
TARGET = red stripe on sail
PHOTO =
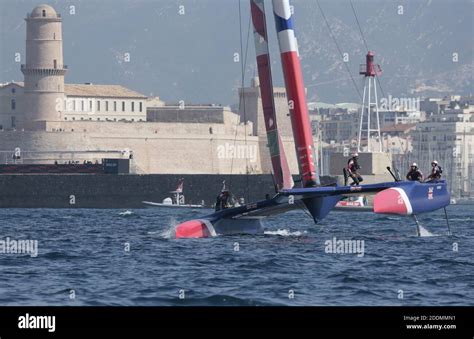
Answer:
(299, 116)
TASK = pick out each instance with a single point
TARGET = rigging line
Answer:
(339, 49)
(243, 66)
(360, 28)
(243, 61)
(365, 43)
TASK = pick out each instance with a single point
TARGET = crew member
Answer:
(352, 168)
(223, 200)
(435, 171)
(415, 174)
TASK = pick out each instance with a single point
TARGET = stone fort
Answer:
(49, 120)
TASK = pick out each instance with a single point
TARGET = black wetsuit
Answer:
(352, 167)
(435, 173)
(415, 175)
(222, 201)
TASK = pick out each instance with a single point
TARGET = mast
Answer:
(295, 92)
(280, 166)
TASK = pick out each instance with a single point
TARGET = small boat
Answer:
(175, 201)
(169, 203)
(353, 203)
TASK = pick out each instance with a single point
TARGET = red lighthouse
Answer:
(369, 69)
(371, 130)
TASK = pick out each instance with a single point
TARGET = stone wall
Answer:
(158, 148)
(123, 191)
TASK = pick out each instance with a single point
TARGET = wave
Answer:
(169, 231)
(126, 213)
(285, 233)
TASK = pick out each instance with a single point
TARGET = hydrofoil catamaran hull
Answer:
(399, 198)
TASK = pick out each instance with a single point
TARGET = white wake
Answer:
(285, 233)
(425, 233)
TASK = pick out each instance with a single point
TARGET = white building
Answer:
(103, 103)
(449, 139)
(82, 102)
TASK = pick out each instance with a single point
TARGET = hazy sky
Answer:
(190, 56)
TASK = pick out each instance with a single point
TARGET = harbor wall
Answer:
(124, 191)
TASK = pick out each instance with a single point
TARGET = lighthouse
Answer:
(44, 69)
(369, 115)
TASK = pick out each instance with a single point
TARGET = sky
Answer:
(185, 49)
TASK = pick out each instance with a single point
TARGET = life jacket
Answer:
(352, 165)
(436, 171)
(415, 175)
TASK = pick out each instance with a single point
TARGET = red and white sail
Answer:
(280, 166)
(295, 92)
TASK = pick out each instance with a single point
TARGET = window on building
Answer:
(141, 106)
(55, 63)
(98, 106)
(82, 105)
(13, 90)
(90, 105)
(133, 106)
(65, 118)
(54, 36)
(73, 118)
(115, 106)
(74, 105)
(13, 122)
(44, 13)
(13, 104)
(106, 106)
(123, 106)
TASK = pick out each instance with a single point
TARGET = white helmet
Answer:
(414, 165)
(355, 154)
(435, 162)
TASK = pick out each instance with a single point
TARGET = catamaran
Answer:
(398, 197)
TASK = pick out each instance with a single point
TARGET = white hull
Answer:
(159, 204)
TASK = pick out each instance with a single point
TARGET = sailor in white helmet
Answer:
(436, 171)
(414, 174)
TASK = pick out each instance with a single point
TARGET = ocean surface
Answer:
(129, 257)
